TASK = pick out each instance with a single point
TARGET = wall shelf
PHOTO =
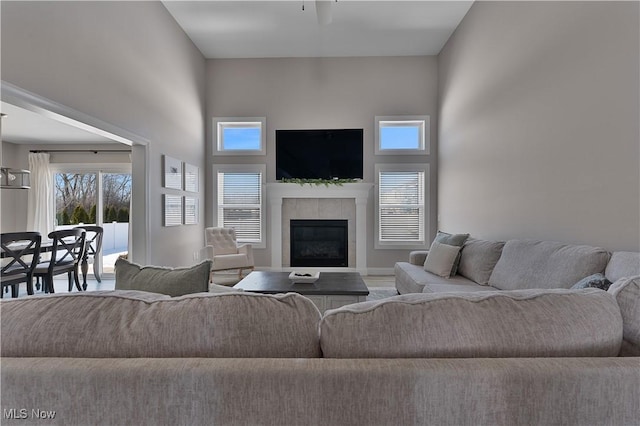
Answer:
(14, 178)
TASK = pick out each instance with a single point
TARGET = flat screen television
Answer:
(319, 154)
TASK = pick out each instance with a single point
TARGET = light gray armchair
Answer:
(224, 251)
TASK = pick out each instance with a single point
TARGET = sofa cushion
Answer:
(545, 264)
(623, 264)
(441, 259)
(117, 324)
(522, 323)
(456, 286)
(163, 280)
(414, 279)
(478, 258)
(627, 294)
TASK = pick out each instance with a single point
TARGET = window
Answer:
(239, 136)
(406, 135)
(401, 205)
(240, 201)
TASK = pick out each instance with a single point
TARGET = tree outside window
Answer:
(76, 198)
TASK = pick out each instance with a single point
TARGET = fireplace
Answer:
(319, 243)
(290, 201)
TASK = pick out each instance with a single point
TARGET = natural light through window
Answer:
(239, 136)
(401, 204)
(240, 202)
(402, 135)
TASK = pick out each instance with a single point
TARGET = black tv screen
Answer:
(319, 154)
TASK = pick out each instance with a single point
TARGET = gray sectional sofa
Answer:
(522, 357)
(516, 264)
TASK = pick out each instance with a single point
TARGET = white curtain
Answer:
(130, 236)
(40, 211)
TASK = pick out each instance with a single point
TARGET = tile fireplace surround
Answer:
(292, 201)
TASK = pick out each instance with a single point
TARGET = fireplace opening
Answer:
(319, 243)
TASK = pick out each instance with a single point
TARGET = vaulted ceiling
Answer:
(260, 29)
(325, 28)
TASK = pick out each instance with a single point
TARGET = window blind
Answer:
(401, 206)
(240, 204)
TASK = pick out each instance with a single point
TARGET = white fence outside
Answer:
(114, 239)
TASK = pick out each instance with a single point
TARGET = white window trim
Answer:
(219, 122)
(406, 167)
(423, 121)
(243, 168)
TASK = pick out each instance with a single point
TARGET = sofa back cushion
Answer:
(131, 324)
(545, 264)
(163, 280)
(627, 293)
(623, 264)
(492, 324)
(478, 258)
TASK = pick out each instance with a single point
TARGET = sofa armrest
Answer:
(418, 257)
(248, 250)
(206, 252)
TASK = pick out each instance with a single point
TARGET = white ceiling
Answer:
(22, 126)
(261, 29)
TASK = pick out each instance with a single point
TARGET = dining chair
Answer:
(66, 254)
(93, 247)
(20, 253)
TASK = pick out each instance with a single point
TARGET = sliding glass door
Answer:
(100, 198)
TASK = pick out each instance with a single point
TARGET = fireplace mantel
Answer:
(276, 192)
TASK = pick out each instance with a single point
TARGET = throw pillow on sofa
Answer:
(452, 240)
(441, 259)
(170, 281)
(593, 281)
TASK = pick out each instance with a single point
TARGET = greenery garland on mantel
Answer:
(318, 182)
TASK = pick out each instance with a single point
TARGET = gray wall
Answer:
(324, 93)
(128, 64)
(13, 202)
(537, 110)
(538, 131)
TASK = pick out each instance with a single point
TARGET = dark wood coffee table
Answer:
(332, 290)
